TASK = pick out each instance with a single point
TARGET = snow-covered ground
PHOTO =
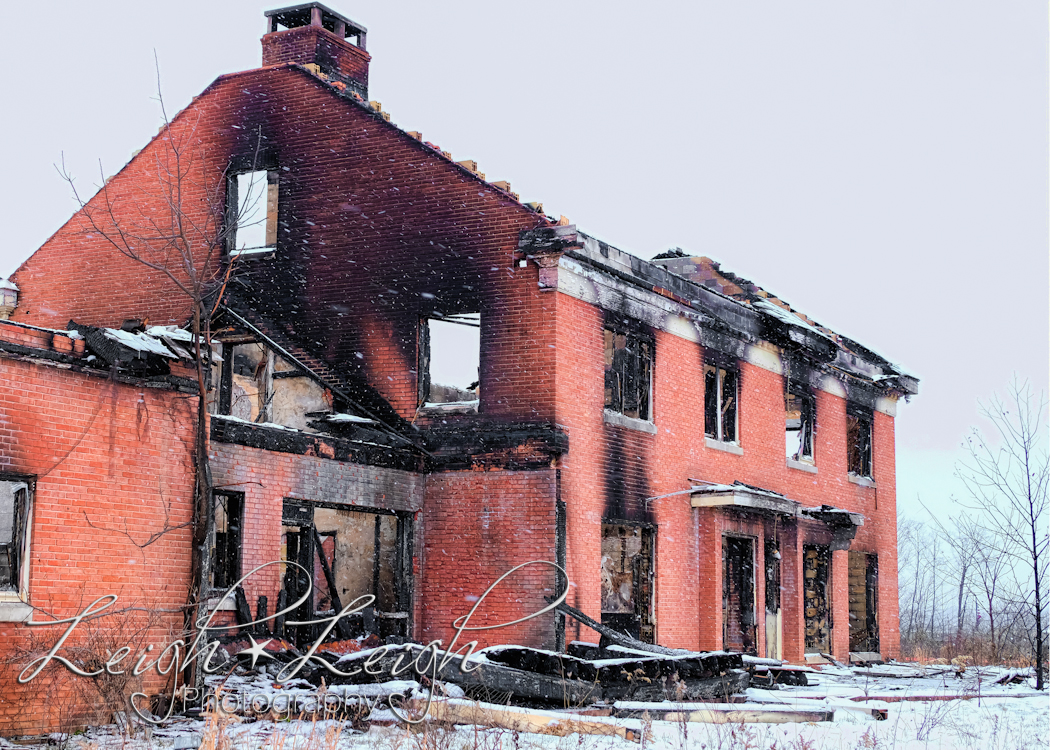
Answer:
(996, 717)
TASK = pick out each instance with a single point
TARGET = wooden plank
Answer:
(525, 720)
(726, 714)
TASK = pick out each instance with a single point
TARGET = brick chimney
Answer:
(314, 34)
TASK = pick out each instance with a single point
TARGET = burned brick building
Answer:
(418, 383)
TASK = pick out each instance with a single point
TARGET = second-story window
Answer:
(721, 386)
(252, 212)
(798, 425)
(450, 360)
(628, 371)
(858, 440)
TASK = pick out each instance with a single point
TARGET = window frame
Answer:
(644, 340)
(22, 526)
(863, 416)
(424, 361)
(808, 408)
(238, 540)
(270, 218)
(722, 367)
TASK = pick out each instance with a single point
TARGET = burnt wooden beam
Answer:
(243, 611)
(615, 637)
(306, 444)
(342, 626)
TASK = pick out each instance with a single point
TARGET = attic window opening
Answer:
(721, 385)
(15, 520)
(858, 440)
(450, 360)
(628, 371)
(798, 426)
(252, 212)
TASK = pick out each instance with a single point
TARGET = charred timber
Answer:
(303, 444)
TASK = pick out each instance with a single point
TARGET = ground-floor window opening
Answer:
(349, 554)
(738, 595)
(627, 580)
(773, 624)
(15, 515)
(817, 597)
(863, 602)
(226, 547)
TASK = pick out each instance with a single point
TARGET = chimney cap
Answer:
(302, 15)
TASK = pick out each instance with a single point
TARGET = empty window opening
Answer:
(738, 595)
(817, 598)
(450, 359)
(226, 547)
(627, 580)
(252, 212)
(349, 554)
(798, 426)
(15, 515)
(863, 602)
(774, 632)
(246, 382)
(858, 440)
(628, 372)
(720, 403)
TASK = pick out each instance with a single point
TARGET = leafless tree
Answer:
(1007, 482)
(176, 222)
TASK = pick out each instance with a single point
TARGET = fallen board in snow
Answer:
(890, 698)
(720, 713)
(527, 720)
(486, 679)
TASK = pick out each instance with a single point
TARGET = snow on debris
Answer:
(343, 418)
(140, 342)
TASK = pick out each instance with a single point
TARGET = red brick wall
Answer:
(376, 230)
(113, 465)
(313, 44)
(478, 525)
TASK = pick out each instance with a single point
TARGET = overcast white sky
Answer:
(881, 166)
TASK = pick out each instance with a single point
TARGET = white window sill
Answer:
(252, 251)
(719, 445)
(14, 611)
(227, 605)
(801, 466)
(862, 481)
(435, 408)
(631, 423)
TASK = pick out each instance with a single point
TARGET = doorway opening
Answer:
(627, 580)
(817, 593)
(346, 554)
(738, 595)
(863, 602)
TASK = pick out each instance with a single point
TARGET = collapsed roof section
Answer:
(726, 307)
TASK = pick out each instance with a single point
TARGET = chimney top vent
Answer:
(316, 14)
(313, 35)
